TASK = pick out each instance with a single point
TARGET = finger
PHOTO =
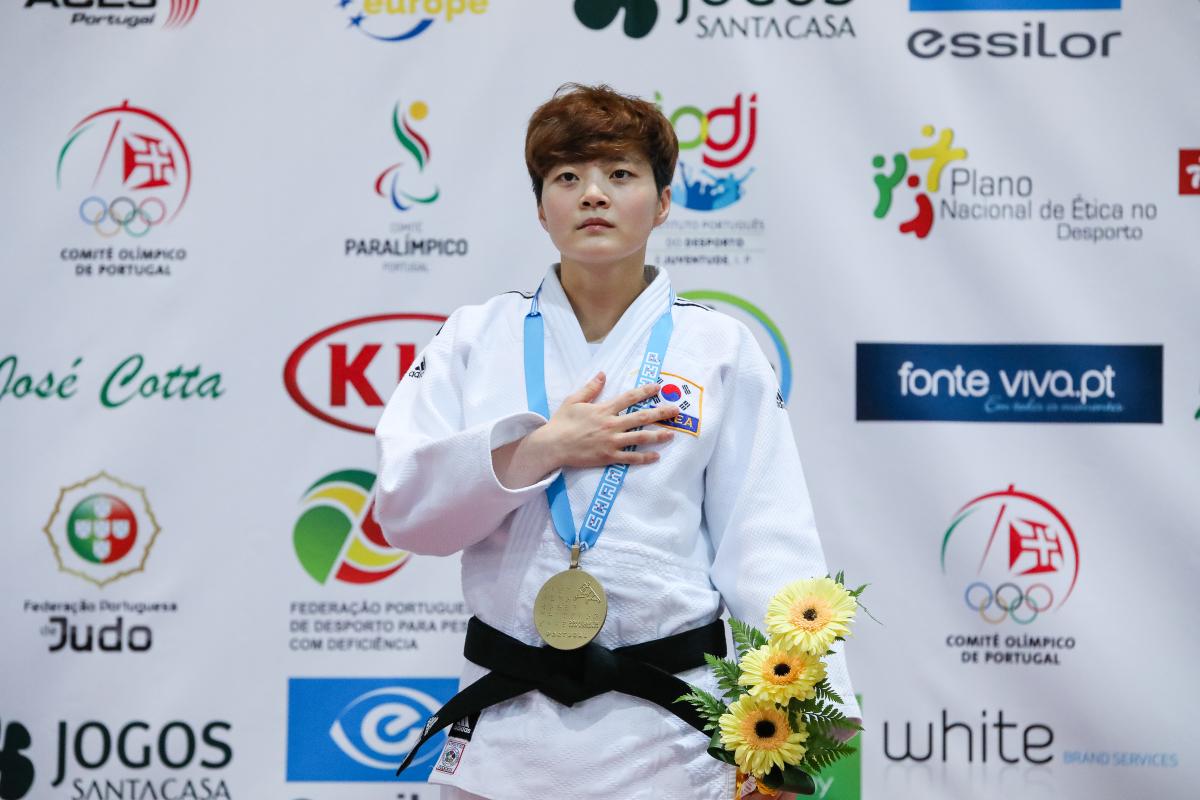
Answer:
(636, 395)
(642, 438)
(633, 457)
(588, 392)
(648, 416)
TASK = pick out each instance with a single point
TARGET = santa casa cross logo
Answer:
(129, 169)
(939, 151)
(401, 20)
(391, 182)
(337, 537)
(724, 137)
(1012, 555)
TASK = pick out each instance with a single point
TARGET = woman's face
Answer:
(602, 211)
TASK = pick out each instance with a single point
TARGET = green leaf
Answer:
(798, 781)
(825, 692)
(746, 637)
(823, 752)
(727, 673)
(718, 751)
(709, 707)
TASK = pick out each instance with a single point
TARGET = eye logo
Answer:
(16, 771)
(108, 531)
(708, 190)
(401, 20)
(378, 729)
(640, 15)
(763, 327)
(416, 145)
(939, 153)
(1014, 554)
(337, 535)
(129, 166)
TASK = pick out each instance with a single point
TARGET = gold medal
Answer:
(571, 608)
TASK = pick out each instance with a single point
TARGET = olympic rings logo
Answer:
(1009, 599)
(123, 214)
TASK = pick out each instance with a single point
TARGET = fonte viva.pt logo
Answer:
(1012, 555)
(940, 152)
(102, 529)
(139, 12)
(401, 20)
(705, 186)
(391, 181)
(129, 168)
(337, 536)
(16, 770)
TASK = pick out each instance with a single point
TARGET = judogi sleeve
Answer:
(436, 492)
(756, 505)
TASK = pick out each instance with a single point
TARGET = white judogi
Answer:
(724, 515)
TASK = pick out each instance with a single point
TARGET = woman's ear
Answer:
(542, 216)
(664, 206)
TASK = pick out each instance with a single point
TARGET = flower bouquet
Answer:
(778, 723)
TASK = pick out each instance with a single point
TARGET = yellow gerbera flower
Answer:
(778, 674)
(808, 615)
(758, 733)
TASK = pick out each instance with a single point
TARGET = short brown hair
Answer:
(584, 123)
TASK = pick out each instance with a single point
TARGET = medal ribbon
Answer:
(614, 474)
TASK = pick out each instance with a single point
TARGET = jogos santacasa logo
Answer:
(128, 168)
(401, 20)
(939, 152)
(109, 12)
(336, 535)
(102, 529)
(769, 337)
(343, 374)
(392, 181)
(1013, 556)
(707, 186)
(640, 17)
(361, 729)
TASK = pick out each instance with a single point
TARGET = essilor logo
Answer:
(1013, 555)
(378, 728)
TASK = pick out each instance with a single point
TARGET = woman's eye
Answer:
(622, 173)
(566, 177)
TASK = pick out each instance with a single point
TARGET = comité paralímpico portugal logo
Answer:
(724, 136)
(939, 152)
(129, 169)
(1012, 555)
(401, 20)
(102, 529)
(337, 536)
(391, 181)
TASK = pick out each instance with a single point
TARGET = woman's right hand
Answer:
(583, 433)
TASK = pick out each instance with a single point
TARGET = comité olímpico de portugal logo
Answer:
(931, 182)
(120, 13)
(1011, 559)
(722, 19)
(713, 177)
(408, 189)
(336, 535)
(102, 529)
(344, 374)
(1047, 36)
(126, 172)
(402, 20)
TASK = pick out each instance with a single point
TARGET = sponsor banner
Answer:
(1009, 382)
(361, 729)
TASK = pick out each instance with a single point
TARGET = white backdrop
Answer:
(193, 604)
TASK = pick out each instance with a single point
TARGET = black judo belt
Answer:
(570, 676)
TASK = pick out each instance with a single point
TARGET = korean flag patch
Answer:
(687, 396)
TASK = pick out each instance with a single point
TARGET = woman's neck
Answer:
(599, 294)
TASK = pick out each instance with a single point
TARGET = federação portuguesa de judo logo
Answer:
(129, 169)
(725, 137)
(394, 182)
(939, 152)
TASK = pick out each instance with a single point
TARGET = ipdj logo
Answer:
(706, 188)
(391, 181)
(337, 536)
(102, 529)
(763, 327)
(939, 152)
(401, 20)
(1189, 172)
(1013, 556)
(342, 374)
(16, 770)
(361, 729)
(129, 168)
